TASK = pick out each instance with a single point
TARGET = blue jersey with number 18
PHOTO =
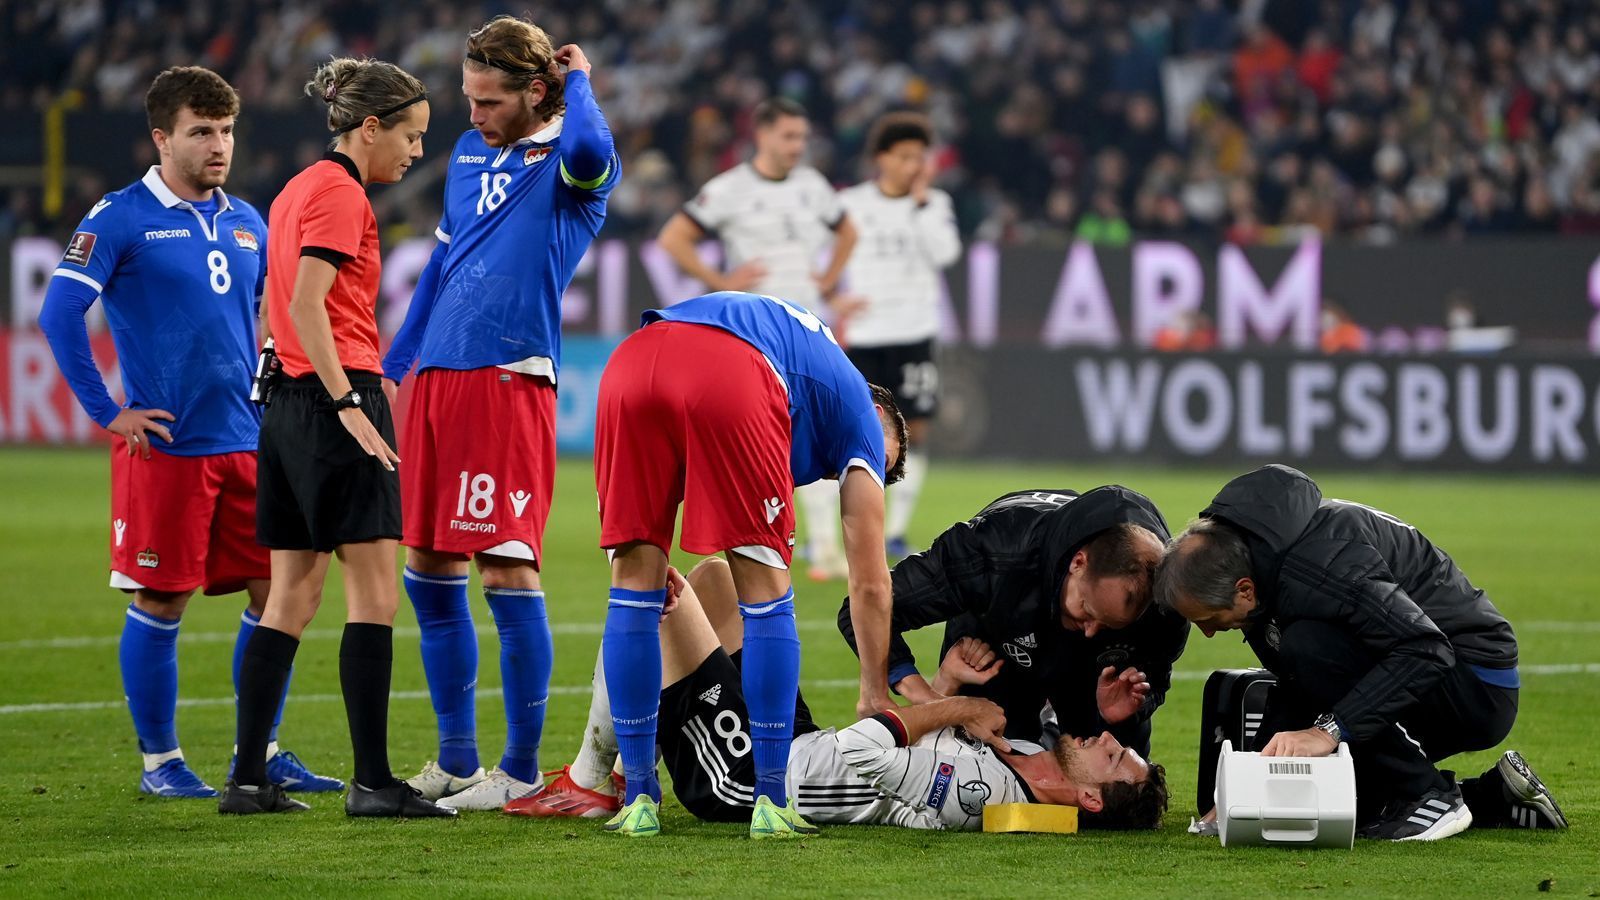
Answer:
(835, 424)
(179, 290)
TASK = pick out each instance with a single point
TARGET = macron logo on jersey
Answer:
(167, 233)
(471, 160)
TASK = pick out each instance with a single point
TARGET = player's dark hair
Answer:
(896, 127)
(1114, 553)
(354, 89)
(523, 53)
(891, 412)
(1130, 806)
(201, 90)
(774, 108)
(1204, 563)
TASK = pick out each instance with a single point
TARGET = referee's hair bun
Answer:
(331, 78)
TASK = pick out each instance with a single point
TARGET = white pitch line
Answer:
(569, 689)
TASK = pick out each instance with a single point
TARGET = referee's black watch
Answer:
(351, 400)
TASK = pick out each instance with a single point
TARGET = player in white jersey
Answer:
(773, 217)
(891, 315)
(934, 765)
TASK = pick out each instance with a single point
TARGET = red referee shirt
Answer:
(324, 212)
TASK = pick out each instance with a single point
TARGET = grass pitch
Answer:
(74, 823)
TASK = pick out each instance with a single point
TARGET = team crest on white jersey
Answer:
(712, 694)
(537, 154)
(246, 239)
(519, 501)
(119, 527)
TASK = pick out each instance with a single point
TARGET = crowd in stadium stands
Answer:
(1254, 120)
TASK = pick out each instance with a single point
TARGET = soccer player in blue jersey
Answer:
(178, 266)
(525, 194)
(724, 404)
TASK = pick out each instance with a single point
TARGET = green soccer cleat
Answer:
(641, 818)
(770, 821)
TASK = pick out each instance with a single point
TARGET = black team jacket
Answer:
(1355, 567)
(1002, 572)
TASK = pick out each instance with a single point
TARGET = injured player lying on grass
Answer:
(930, 766)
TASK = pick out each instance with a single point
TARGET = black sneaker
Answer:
(243, 801)
(1436, 815)
(398, 800)
(1532, 805)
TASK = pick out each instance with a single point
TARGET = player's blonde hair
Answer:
(522, 53)
(354, 89)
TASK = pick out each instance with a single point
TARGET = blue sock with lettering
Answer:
(526, 657)
(247, 626)
(148, 653)
(632, 653)
(450, 661)
(771, 681)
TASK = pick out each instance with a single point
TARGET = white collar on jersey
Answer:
(544, 135)
(152, 180)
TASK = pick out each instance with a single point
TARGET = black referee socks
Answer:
(366, 659)
(263, 676)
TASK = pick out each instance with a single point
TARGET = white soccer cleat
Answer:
(433, 782)
(492, 792)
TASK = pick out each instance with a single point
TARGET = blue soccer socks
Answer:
(632, 653)
(148, 653)
(526, 658)
(771, 681)
(450, 660)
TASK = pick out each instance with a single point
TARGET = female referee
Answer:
(326, 481)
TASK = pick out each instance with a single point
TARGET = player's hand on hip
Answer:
(743, 278)
(571, 56)
(1305, 742)
(391, 391)
(366, 434)
(136, 425)
(1120, 696)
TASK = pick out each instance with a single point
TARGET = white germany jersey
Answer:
(859, 776)
(895, 265)
(783, 224)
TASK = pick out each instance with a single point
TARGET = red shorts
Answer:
(691, 414)
(183, 522)
(478, 462)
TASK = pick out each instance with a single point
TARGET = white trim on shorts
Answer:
(762, 554)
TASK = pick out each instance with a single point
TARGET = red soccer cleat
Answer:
(564, 797)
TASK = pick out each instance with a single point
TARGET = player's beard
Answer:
(1071, 764)
(202, 178)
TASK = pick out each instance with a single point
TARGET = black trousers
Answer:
(1322, 663)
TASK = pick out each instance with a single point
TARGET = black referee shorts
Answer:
(907, 370)
(316, 489)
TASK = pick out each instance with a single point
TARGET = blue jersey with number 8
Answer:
(179, 291)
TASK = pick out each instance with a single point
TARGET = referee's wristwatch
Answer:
(351, 400)
(1328, 725)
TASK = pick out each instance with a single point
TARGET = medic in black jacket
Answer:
(1377, 638)
(1058, 584)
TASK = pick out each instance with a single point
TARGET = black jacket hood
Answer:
(1272, 506)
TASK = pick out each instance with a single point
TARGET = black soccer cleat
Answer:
(1532, 804)
(270, 798)
(1436, 815)
(396, 801)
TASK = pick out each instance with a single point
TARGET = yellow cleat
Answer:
(641, 818)
(770, 821)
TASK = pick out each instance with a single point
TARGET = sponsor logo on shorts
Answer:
(164, 233)
(464, 525)
(535, 155)
(519, 501)
(941, 785)
(119, 527)
(712, 694)
(80, 248)
(148, 559)
(773, 507)
(972, 795)
(246, 239)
